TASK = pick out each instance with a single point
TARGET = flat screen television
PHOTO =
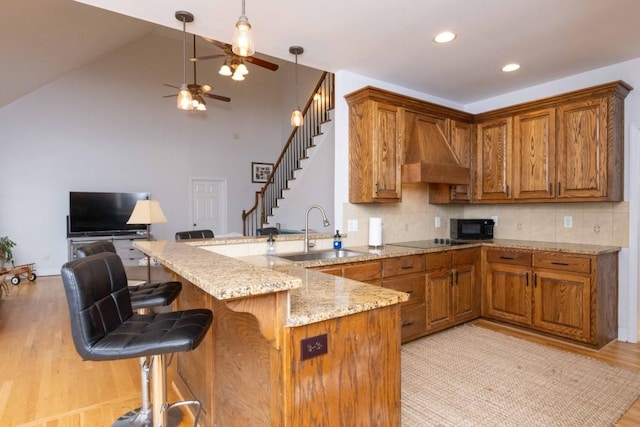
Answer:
(100, 214)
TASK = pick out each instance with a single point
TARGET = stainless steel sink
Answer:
(318, 255)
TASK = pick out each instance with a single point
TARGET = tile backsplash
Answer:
(601, 223)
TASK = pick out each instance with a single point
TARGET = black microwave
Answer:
(471, 229)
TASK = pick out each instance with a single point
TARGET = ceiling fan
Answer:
(234, 64)
(198, 92)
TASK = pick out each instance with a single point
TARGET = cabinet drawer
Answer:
(439, 260)
(466, 256)
(363, 271)
(403, 265)
(577, 263)
(414, 320)
(413, 285)
(509, 257)
(334, 271)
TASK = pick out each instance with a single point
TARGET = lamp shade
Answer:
(147, 212)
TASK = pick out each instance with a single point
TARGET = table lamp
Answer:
(147, 212)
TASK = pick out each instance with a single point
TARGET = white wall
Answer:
(106, 127)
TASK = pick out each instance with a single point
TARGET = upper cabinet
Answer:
(374, 152)
(493, 167)
(568, 147)
(394, 139)
(565, 148)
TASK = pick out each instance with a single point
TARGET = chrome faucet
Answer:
(325, 221)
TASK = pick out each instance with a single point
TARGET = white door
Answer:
(209, 205)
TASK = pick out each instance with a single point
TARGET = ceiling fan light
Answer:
(185, 100)
(296, 117)
(237, 76)
(242, 69)
(242, 42)
(225, 70)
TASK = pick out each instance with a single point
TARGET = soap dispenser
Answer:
(337, 240)
(271, 247)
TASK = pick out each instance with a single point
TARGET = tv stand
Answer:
(122, 242)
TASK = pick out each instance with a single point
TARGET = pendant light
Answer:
(242, 42)
(185, 99)
(296, 116)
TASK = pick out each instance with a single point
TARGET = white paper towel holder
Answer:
(375, 233)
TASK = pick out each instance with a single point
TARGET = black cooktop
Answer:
(427, 244)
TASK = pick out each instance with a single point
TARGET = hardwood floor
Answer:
(43, 382)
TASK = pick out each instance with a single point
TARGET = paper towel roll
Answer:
(375, 232)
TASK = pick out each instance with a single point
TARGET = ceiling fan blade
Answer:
(218, 97)
(169, 96)
(224, 46)
(202, 58)
(262, 63)
(175, 87)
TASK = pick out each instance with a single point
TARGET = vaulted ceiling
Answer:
(390, 41)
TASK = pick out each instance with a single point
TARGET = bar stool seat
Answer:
(104, 326)
(147, 295)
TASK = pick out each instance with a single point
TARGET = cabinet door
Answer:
(508, 294)
(534, 162)
(386, 152)
(461, 141)
(493, 169)
(562, 304)
(582, 149)
(438, 297)
(466, 298)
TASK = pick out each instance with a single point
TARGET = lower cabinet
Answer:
(452, 288)
(571, 296)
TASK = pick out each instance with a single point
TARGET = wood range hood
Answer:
(429, 156)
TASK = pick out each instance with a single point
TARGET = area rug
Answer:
(470, 376)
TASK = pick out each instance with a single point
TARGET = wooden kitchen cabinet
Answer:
(568, 147)
(452, 288)
(534, 155)
(367, 271)
(507, 291)
(461, 142)
(374, 151)
(407, 274)
(493, 160)
(567, 295)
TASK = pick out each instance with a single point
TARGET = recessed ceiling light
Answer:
(445, 37)
(510, 67)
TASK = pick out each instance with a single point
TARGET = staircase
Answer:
(315, 113)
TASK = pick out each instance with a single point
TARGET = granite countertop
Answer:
(389, 250)
(313, 296)
(220, 276)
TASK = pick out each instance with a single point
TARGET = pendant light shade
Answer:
(242, 42)
(296, 116)
(185, 99)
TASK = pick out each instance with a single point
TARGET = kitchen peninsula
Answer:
(288, 346)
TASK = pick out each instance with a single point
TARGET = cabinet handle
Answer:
(406, 267)
(507, 257)
(507, 191)
(406, 324)
(535, 280)
(377, 186)
(410, 293)
(559, 188)
(526, 280)
(550, 189)
(451, 279)
(456, 271)
(559, 263)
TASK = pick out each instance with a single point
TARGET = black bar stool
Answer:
(194, 234)
(143, 299)
(104, 326)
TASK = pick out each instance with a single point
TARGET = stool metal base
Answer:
(137, 418)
